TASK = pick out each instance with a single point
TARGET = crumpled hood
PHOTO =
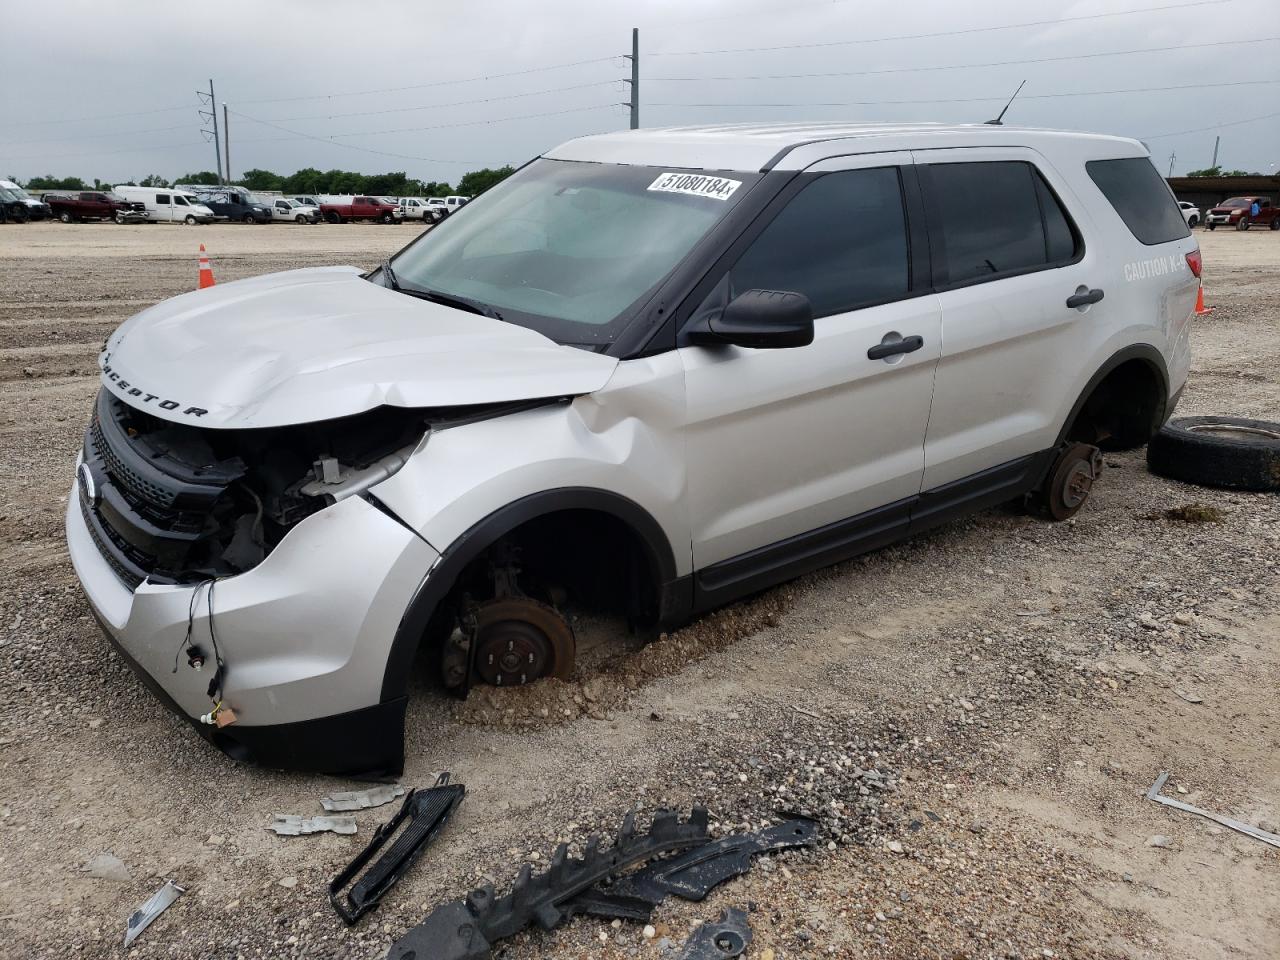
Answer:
(320, 343)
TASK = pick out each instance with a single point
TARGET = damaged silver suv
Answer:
(649, 373)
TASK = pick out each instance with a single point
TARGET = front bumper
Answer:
(304, 637)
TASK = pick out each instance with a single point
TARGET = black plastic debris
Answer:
(728, 936)
(423, 815)
(690, 875)
(467, 929)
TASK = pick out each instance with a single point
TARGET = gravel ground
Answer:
(973, 716)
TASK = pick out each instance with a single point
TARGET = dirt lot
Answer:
(975, 715)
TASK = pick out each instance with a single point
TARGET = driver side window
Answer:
(841, 241)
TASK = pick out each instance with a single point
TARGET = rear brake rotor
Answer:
(519, 640)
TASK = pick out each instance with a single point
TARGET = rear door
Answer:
(1007, 256)
(785, 445)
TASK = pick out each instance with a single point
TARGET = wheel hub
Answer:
(518, 640)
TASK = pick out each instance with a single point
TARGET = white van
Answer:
(167, 205)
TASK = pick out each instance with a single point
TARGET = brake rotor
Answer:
(1073, 477)
(519, 640)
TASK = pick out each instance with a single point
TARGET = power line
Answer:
(999, 96)
(100, 116)
(99, 136)
(1216, 126)
(964, 66)
(942, 33)
(105, 153)
(445, 83)
(296, 134)
(439, 126)
(455, 103)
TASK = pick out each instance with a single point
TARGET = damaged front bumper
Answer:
(304, 636)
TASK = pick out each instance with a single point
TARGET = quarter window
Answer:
(992, 219)
(1142, 198)
(841, 241)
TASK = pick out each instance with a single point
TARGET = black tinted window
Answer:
(1060, 242)
(841, 241)
(1141, 197)
(984, 220)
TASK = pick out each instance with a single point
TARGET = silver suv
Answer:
(649, 373)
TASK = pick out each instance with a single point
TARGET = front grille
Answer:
(131, 481)
(150, 520)
(129, 576)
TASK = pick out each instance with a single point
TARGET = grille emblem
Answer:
(85, 476)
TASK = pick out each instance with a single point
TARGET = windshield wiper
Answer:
(435, 296)
(460, 303)
(391, 275)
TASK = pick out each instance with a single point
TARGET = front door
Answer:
(784, 444)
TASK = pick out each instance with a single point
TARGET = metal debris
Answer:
(342, 800)
(467, 929)
(141, 918)
(426, 812)
(1255, 832)
(289, 825)
(728, 936)
(1189, 697)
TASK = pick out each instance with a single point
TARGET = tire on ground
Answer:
(1229, 452)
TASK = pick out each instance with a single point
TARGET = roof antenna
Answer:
(998, 121)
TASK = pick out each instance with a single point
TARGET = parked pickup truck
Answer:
(342, 209)
(93, 205)
(1236, 212)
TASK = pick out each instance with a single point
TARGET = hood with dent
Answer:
(320, 343)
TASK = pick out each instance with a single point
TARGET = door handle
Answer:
(1084, 299)
(889, 348)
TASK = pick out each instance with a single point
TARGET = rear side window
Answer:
(1138, 193)
(841, 241)
(989, 219)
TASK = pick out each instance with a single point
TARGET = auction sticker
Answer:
(696, 185)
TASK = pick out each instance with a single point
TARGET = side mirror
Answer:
(764, 319)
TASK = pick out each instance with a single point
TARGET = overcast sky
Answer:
(72, 68)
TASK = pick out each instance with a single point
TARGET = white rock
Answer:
(107, 866)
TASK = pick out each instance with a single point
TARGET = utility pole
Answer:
(1172, 156)
(212, 114)
(634, 102)
(1216, 141)
(226, 140)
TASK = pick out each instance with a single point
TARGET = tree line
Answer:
(309, 180)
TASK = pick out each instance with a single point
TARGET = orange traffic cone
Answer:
(1201, 309)
(206, 271)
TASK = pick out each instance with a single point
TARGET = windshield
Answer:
(1237, 202)
(17, 193)
(569, 248)
(6, 195)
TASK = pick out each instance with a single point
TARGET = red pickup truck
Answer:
(342, 209)
(1236, 212)
(91, 205)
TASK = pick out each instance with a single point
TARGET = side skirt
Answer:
(751, 572)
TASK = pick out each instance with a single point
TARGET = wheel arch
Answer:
(440, 579)
(1145, 356)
